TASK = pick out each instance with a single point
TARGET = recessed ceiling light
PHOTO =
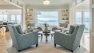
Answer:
(46, 2)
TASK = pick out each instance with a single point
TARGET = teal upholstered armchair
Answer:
(22, 41)
(71, 40)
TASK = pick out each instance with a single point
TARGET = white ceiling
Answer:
(85, 6)
(6, 5)
(40, 2)
(3, 2)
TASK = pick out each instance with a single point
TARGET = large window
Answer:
(16, 19)
(3, 18)
(83, 18)
(12, 19)
(78, 17)
(13, 15)
(49, 17)
(19, 19)
(86, 21)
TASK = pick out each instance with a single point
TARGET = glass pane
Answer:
(13, 18)
(87, 21)
(78, 17)
(18, 19)
(1, 17)
(5, 18)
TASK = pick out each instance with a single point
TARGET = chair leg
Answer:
(72, 51)
(41, 37)
(36, 45)
(54, 45)
(51, 36)
(79, 45)
(19, 50)
(12, 45)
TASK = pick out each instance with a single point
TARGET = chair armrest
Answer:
(63, 35)
(29, 36)
(66, 40)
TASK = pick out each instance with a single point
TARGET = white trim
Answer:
(92, 5)
(13, 3)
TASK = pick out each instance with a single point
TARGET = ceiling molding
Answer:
(8, 7)
(52, 2)
(48, 7)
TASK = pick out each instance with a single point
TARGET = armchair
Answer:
(71, 40)
(22, 41)
(19, 30)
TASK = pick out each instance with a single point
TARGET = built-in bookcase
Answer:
(29, 18)
(64, 13)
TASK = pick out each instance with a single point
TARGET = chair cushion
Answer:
(18, 28)
(71, 29)
(39, 28)
(54, 28)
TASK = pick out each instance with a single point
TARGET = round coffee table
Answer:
(46, 33)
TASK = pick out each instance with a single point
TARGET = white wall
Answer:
(72, 13)
(92, 31)
(23, 17)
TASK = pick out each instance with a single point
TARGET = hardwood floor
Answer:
(4, 42)
(43, 47)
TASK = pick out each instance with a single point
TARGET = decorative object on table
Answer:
(46, 31)
(22, 41)
(70, 41)
(46, 27)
